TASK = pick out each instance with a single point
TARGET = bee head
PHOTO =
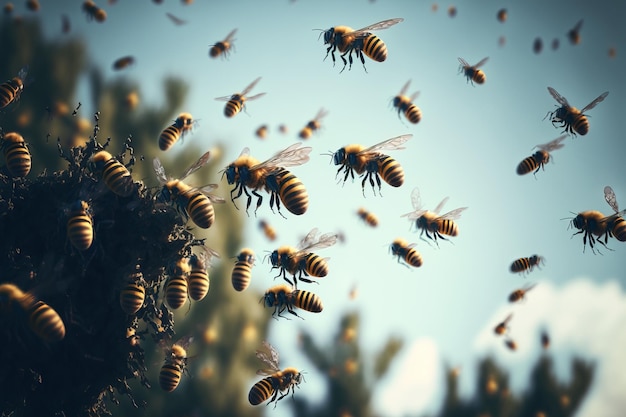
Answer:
(231, 173)
(340, 156)
(329, 35)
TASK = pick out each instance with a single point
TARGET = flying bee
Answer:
(268, 230)
(11, 90)
(511, 344)
(615, 223)
(369, 218)
(16, 154)
(590, 223)
(520, 293)
(242, 272)
(236, 102)
(248, 173)
(406, 253)
(176, 286)
(123, 62)
(572, 120)
(405, 105)
(177, 130)
(430, 222)
(313, 125)
(574, 34)
(223, 47)
(80, 225)
(175, 364)
(115, 175)
(301, 261)
(132, 296)
(360, 41)
(503, 327)
(261, 132)
(523, 265)
(502, 15)
(540, 158)
(371, 164)
(94, 12)
(193, 202)
(283, 297)
(471, 72)
(276, 382)
(198, 278)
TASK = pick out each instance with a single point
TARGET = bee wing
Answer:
(185, 341)
(405, 88)
(250, 87)
(309, 239)
(559, 98)
(453, 214)
(552, 145)
(416, 201)
(481, 62)
(207, 189)
(389, 144)
(593, 104)
(224, 98)
(324, 241)
(202, 161)
(229, 37)
(376, 26)
(254, 97)
(23, 72)
(159, 170)
(508, 318)
(176, 20)
(578, 26)
(440, 205)
(414, 96)
(609, 196)
(291, 156)
(464, 62)
(321, 114)
(268, 355)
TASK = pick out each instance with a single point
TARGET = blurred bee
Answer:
(545, 340)
(511, 344)
(537, 45)
(236, 102)
(198, 278)
(276, 382)
(223, 47)
(502, 15)
(182, 125)
(283, 297)
(261, 132)
(247, 172)
(539, 158)
(368, 217)
(313, 125)
(268, 230)
(301, 261)
(176, 286)
(175, 364)
(574, 34)
(520, 293)
(523, 265)
(405, 105)
(573, 120)
(94, 12)
(115, 175)
(16, 154)
(11, 90)
(452, 11)
(471, 72)
(503, 326)
(123, 62)
(32, 5)
(131, 101)
(283, 129)
(590, 223)
(193, 202)
(615, 224)
(406, 252)
(8, 9)
(371, 164)
(80, 225)
(430, 222)
(242, 272)
(360, 41)
(132, 296)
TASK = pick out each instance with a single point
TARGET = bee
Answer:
(242, 272)
(32, 5)
(80, 225)
(371, 164)
(94, 12)
(430, 222)
(193, 202)
(283, 297)
(313, 125)
(222, 47)
(369, 218)
(545, 340)
(123, 62)
(537, 45)
(176, 287)
(261, 132)
(520, 293)
(590, 223)
(16, 154)
(268, 230)
(452, 11)
(615, 224)
(360, 41)
(132, 297)
(115, 175)
(574, 34)
(175, 364)
(523, 265)
(539, 158)
(503, 326)
(405, 105)
(11, 297)
(183, 124)
(247, 172)
(44, 321)
(502, 15)
(573, 120)
(406, 252)
(236, 102)
(198, 275)
(276, 382)
(301, 261)
(11, 90)
(511, 344)
(471, 72)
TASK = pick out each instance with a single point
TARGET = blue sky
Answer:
(467, 147)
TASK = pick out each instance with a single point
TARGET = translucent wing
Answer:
(389, 144)
(414, 96)
(453, 214)
(416, 201)
(609, 196)
(184, 341)
(309, 239)
(464, 62)
(159, 170)
(224, 98)
(376, 26)
(578, 26)
(202, 161)
(230, 35)
(23, 72)
(254, 97)
(291, 156)
(324, 241)
(552, 145)
(250, 87)
(481, 62)
(206, 190)
(559, 98)
(405, 88)
(320, 114)
(269, 356)
(591, 105)
(440, 205)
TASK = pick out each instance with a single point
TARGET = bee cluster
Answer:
(88, 259)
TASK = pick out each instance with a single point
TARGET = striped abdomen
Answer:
(520, 265)
(241, 276)
(413, 257)
(390, 171)
(579, 122)
(132, 298)
(16, 154)
(292, 193)
(375, 48)
(168, 137)
(315, 265)
(46, 322)
(169, 377)
(198, 279)
(117, 178)
(233, 106)
(10, 91)
(308, 301)
(413, 113)
(619, 229)
(176, 291)
(80, 228)
(263, 390)
(447, 227)
(200, 209)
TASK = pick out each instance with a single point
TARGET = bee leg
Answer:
(345, 62)
(258, 201)
(360, 55)
(240, 187)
